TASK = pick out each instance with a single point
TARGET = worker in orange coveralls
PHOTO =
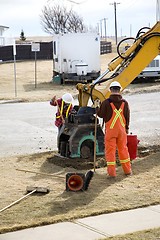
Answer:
(115, 112)
(64, 106)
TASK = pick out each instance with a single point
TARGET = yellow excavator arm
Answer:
(126, 66)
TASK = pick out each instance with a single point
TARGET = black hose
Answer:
(139, 32)
(146, 38)
(101, 81)
(120, 44)
(114, 59)
(137, 36)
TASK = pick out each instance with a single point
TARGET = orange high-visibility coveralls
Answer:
(115, 135)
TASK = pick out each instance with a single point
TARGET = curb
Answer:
(10, 101)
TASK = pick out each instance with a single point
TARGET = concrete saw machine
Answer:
(77, 135)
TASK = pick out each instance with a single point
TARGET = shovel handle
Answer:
(45, 174)
(95, 143)
(17, 201)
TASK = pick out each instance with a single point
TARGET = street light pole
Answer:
(14, 54)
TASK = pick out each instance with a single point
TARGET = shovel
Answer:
(30, 191)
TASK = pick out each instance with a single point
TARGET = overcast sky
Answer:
(131, 15)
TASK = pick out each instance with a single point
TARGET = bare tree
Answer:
(75, 23)
(58, 19)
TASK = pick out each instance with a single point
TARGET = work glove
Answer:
(54, 98)
(97, 103)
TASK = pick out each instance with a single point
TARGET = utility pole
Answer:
(115, 16)
(101, 27)
(98, 28)
(105, 28)
(158, 11)
(130, 30)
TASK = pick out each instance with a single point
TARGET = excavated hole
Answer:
(85, 164)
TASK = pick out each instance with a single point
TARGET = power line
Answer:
(77, 2)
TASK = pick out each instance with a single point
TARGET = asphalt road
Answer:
(27, 128)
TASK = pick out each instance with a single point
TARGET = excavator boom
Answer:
(78, 133)
(126, 66)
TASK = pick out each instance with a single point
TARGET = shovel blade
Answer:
(38, 189)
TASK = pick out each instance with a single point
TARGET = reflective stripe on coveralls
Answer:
(115, 135)
(118, 115)
(62, 109)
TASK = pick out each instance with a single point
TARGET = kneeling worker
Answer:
(115, 112)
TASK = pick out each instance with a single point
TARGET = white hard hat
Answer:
(115, 84)
(67, 97)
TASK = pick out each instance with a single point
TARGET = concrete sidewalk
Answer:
(91, 228)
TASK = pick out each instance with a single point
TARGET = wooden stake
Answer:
(95, 143)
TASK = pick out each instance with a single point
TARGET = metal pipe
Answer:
(100, 77)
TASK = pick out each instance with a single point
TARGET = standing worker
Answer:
(64, 107)
(115, 112)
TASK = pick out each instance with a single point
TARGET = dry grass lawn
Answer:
(45, 88)
(25, 81)
(103, 196)
(152, 234)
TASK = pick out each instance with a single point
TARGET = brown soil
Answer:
(103, 195)
(86, 164)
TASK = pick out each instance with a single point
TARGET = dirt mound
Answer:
(85, 164)
(77, 163)
(145, 151)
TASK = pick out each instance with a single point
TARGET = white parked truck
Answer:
(152, 70)
(76, 56)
